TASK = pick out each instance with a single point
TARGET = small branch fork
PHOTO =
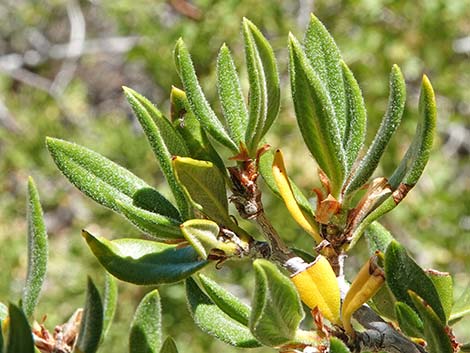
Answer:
(379, 335)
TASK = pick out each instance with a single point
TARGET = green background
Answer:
(46, 90)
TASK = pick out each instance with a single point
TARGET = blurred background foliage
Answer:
(62, 65)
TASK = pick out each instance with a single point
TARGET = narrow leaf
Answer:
(226, 301)
(434, 330)
(204, 186)
(266, 171)
(337, 346)
(110, 298)
(264, 84)
(163, 138)
(99, 178)
(146, 327)
(190, 128)
(304, 219)
(325, 59)
(155, 225)
(316, 116)
(3, 311)
(445, 288)
(37, 251)
(91, 325)
(203, 235)
(403, 274)
(390, 122)
(142, 261)
(461, 306)
(409, 321)
(377, 237)
(417, 155)
(231, 97)
(276, 308)
(20, 338)
(169, 346)
(356, 116)
(196, 98)
(212, 320)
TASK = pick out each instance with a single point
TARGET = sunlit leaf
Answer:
(377, 237)
(264, 84)
(91, 326)
(276, 308)
(196, 98)
(403, 274)
(212, 320)
(37, 251)
(390, 122)
(19, 338)
(316, 116)
(146, 327)
(337, 346)
(231, 97)
(417, 155)
(163, 138)
(445, 288)
(101, 179)
(461, 306)
(110, 299)
(205, 187)
(142, 261)
(190, 128)
(226, 301)
(435, 333)
(325, 59)
(356, 116)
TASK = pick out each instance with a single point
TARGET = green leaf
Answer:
(461, 306)
(20, 339)
(410, 322)
(231, 97)
(377, 237)
(356, 117)
(390, 122)
(154, 224)
(226, 301)
(198, 102)
(445, 288)
(163, 138)
(276, 308)
(266, 171)
(110, 298)
(37, 251)
(99, 178)
(403, 274)
(203, 234)
(3, 311)
(316, 116)
(205, 187)
(265, 92)
(143, 261)
(417, 155)
(325, 60)
(190, 128)
(212, 320)
(146, 327)
(91, 325)
(383, 302)
(169, 346)
(337, 346)
(435, 333)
